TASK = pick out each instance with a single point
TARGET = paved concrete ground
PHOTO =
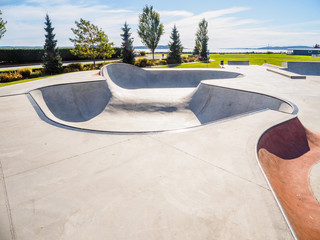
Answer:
(198, 184)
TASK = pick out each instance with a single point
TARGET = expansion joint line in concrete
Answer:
(71, 157)
(7, 203)
(215, 166)
(12, 95)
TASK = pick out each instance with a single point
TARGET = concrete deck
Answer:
(203, 183)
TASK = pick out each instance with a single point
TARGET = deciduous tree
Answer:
(90, 41)
(52, 62)
(150, 29)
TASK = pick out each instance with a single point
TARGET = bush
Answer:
(142, 53)
(141, 62)
(73, 67)
(25, 72)
(90, 66)
(162, 62)
(184, 59)
(36, 73)
(10, 76)
(78, 66)
(151, 63)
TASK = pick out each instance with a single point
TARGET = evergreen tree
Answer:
(52, 61)
(196, 50)
(2, 26)
(202, 39)
(175, 47)
(127, 51)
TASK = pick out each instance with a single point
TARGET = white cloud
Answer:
(175, 13)
(226, 29)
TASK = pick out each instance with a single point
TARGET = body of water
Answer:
(222, 50)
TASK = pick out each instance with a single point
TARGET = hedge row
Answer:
(35, 55)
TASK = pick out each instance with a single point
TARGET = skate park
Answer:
(130, 153)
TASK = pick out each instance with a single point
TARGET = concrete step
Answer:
(286, 73)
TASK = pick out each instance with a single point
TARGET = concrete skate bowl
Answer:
(287, 154)
(134, 100)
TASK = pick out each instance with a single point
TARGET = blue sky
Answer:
(245, 23)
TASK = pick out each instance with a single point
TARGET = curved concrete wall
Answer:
(210, 103)
(287, 153)
(132, 77)
(76, 102)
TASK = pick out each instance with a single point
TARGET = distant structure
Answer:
(304, 51)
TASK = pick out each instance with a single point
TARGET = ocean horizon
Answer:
(163, 49)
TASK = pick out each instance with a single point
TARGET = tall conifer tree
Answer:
(127, 51)
(52, 62)
(175, 47)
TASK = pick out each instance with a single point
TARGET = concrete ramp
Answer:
(211, 103)
(132, 77)
(76, 102)
(134, 100)
(303, 68)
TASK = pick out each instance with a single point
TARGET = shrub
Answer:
(10, 76)
(142, 53)
(89, 67)
(35, 74)
(78, 66)
(25, 72)
(73, 67)
(150, 63)
(141, 62)
(162, 62)
(184, 59)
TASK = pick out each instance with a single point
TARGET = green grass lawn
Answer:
(259, 59)
(211, 64)
(254, 59)
(26, 80)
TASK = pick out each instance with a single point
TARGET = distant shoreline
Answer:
(165, 49)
